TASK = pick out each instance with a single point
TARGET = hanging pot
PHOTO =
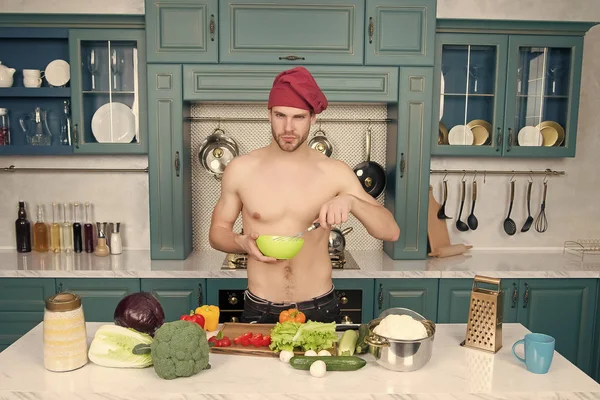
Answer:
(370, 174)
(216, 151)
(320, 143)
(337, 240)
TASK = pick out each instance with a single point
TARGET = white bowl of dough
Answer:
(401, 339)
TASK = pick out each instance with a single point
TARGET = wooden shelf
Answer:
(35, 92)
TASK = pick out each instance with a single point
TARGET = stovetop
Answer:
(338, 261)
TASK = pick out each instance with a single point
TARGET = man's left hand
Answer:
(336, 210)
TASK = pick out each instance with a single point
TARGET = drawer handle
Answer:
(515, 296)
(526, 296)
(402, 165)
(510, 139)
(380, 297)
(499, 139)
(200, 294)
(371, 29)
(292, 58)
(346, 320)
(235, 319)
(177, 163)
(76, 136)
(212, 28)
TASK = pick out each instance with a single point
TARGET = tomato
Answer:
(266, 341)
(237, 340)
(245, 342)
(247, 335)
(256, 340)
(225, 342)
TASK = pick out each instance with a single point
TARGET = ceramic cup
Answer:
(32, 78)
(539, 351)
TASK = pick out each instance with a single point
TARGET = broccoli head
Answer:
(179, 349)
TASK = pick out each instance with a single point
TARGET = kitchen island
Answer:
(454, 372)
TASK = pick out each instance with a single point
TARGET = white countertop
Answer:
(454, 372)
(372, 264)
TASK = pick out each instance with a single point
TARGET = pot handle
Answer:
(368, 145)
(346, 231)
(377, 341)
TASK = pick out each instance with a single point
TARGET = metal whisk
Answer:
(298, 236)
(541, 223)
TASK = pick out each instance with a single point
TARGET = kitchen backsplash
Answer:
(348, 140)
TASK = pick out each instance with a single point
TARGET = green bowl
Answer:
(279, 249)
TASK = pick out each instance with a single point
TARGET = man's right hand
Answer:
(248, 243)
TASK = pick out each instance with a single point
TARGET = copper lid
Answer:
(63, 302)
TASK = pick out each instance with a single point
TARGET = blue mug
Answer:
(539, 350)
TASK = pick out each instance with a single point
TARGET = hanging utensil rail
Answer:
(547, 172)
(12, 168)
(218, 119)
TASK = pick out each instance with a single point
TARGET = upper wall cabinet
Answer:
(508, 94)
(400, 32)
(180, 31)
(290, 32)
(108, 81)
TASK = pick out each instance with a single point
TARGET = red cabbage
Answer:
(140, 311)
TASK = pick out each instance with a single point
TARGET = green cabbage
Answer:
(113, 347)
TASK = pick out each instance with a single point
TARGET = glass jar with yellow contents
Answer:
(65, 342)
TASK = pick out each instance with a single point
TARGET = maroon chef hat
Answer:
(297, 88)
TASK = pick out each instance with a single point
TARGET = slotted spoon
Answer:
(298, 236)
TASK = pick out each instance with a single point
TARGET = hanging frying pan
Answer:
(370, 174)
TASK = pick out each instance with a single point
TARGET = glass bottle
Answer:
(88, 230)
(65, 125)
(116, 245)
(67, 232)
(76, 230)
(23, 230)
(54, 231)
(40, 232)
(5, 138)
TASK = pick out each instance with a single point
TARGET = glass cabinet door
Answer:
(543, 92)
(109, 88)
(471, 103)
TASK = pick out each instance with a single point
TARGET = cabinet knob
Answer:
(346, 320)
(235, 319)
(232, 299)
(344, 300)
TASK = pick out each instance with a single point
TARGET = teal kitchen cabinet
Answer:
(455, 297)
(400, 32)
(347, 291)
(169, 165)
(22, 304)
(407, 162)
(254, 82)
(562, 308)
(176, 296)
(510, 93)
(179, 31)
(99, 296)
(227, 293)
(108, 83)
(290, 32)
(420, 295)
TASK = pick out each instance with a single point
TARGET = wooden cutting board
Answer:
(235, 329)
(437, 231)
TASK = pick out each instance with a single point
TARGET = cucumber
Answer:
(361, 345)
(332, 363)
(347, 344)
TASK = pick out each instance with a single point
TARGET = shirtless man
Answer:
(281, 189)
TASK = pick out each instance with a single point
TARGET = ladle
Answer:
(461, 226)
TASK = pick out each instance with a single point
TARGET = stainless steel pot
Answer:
(401, 355)
(216, 151)
(320, 143)
(337, 240)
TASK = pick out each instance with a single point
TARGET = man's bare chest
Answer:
(278, 195)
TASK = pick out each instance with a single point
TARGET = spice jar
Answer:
(65, 338)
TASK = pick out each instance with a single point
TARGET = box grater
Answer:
(484, 327)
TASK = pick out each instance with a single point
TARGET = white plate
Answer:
(442, 87)
(122, 129)
(530, 136)
(58, 73)
(460, 135)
